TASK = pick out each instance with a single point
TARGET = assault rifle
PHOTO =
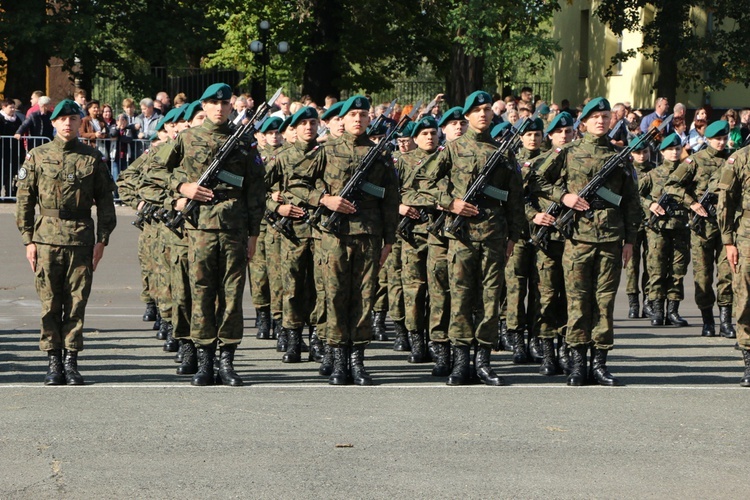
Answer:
(708, 201)
(213, 174)
(595, 187)
(358, 181)
(406, 224)
(144, 215)
(666, 202)
(284, 229)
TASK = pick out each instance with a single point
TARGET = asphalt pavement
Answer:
(137, 430)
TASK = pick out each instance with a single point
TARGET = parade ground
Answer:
(137, 430)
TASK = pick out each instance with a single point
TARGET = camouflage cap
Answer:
(271, 123)
(306, 113)
(332, 111)
(535, 125)
(498, 129)
(670, 141)
(65, 107)
(354, 102)
(192, 109)
(285, 124)
(423, 123)
(561, 120)
(218, 91)
(717, 129)
(476, 99)
(595, 104)
(455, 113)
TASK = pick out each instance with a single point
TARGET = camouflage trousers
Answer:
(741, 287)
(320, 289)
(273, 268)
(390, 293)
(146, 261)
(381, 293)
(438, 287)
(707, 255)
(182, 303)
(163, 257)
(297, 267)
(592, 275)
(668, 259)
(217, 282)
(552, 311)
(637, 266)
(260, 291)
(350, 274)
(414, 282)
(63, 282)
(519, 284)
(475, 274)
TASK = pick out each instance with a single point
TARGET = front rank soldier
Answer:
(66, 179)
(453, 124)
(224, 236)
(698, 175)
(476, 258)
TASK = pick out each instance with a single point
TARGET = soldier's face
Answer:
(454, 129)
(405, 144)
(480, 117)
(640, 156)
(532, 140)
(217, 111)
(597, 123)
(290, 134)
(198, 119)
(273, 138)
(427, 139)
(672, 154)
(718, 143)
(356, 121)
(307, 129)
(336, 126)
(261, 138)
(67, 126)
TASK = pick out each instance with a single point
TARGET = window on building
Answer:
(583, 48)
(618, 67)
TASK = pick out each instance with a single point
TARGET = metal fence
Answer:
(407, 92)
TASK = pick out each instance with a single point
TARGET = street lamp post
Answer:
(260, 47)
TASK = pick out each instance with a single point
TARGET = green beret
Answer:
(285, 124)
(544, 109)
(161, 122)
(65, 107)
(561, 120)
(192, 109)
(595, 104)
(354, 102)
(408, 129)
(271, 123)
(381, 129)
(452, 114)
(641, 146)
(717, 129)
(154, 137)
(173, 115)
(332, 111)
(534, 125)
(498, 129)
(476, 99)
(218, 91)
(305, 113)
(425, 122)
(670, 141)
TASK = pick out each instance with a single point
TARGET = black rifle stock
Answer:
(708, 200)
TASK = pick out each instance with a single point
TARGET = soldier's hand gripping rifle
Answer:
(406, 225)
(358, 181)
(595, 187)
(211, 176)
(666, 202)
(144, 215)
(708, 201)
(284, 229)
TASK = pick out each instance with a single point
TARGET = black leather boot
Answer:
(263, 321)
(205, 373)
(227, 374)
(725, 322)
(599, 371)
(709, 327)
(316, 347)
(634, 306)
(276, 329)
(170, 344)
(504, 339)
(578, 372)
(157, 322)
(401, 342)
(657, 317)
(282, 338)
(745, 382)
(359, 374)
(293, 349)
(378, 326)
(563, 355)
(340, 373)
(72, 377)
(326, 364)
(536, 352)
(150, 313)
(442, 352)
(648, 308)
(163, 330)
(549, 363)
(520, 356)
(189, 364)
(482, 366)
(55, 372)
(673, 314)
(460, 375)
(303, 347)
(180, 355)
(418, 348)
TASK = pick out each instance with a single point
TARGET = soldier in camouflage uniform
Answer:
(361, 241)
(223, 238)
(453, 124)
(733, 215)
(642, 165)
(601, 242)
(697, 175)
(668, 238)
(66, 179)
(476, 258)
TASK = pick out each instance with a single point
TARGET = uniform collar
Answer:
(213, 127)
(479, 136)
(64, 145)
(305, 146)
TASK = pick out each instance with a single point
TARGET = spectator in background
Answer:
(700, 114)
(34, 102)
(157, 107)
(284, 103)
(620, 139)
(180, 100)
(92, 127)
(79, 96)
(696, 137)
(661, 107)
(125, 135)
(527, 98)
(498, 108)
(145, 123)
(165, 103)
(512, 116)
(38, 124)
(331, 100)
(239, 113)
(295, 106)
(745, 123)
(735, 136)
(565, 107)
(9, 121)
(250, 104)
(679, 111)
(128, 108)
(680, 128)
(11, 149)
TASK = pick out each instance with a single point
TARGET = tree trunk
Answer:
(671, 20)
(26, 56)
(322, 73)
(465, 76)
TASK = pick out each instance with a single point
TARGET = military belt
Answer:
(65, 214)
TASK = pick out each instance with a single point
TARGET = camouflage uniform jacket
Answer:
(188, 157)
(457, 166)
(535, 200)
(573, 168)
(733, 209)
(155, 177)
(651, 187)
(129, 181)
(412, 175)
(332, 168)
(65, 176)
(526, 160)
